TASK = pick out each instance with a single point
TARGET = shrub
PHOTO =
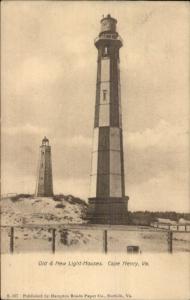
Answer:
(75, 200)
(60, 206)
(70, 199)
(20, 196)
(58, 197)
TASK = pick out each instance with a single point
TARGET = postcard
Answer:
(95, 150)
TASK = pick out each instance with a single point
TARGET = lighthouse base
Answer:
(113, 211)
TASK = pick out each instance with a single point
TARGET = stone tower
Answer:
(107, 202)
(44, 185)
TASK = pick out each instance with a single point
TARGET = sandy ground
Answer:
(40, 239)
(40, 211)
(45, 213)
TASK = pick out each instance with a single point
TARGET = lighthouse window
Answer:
(105, 53)
(104, 95)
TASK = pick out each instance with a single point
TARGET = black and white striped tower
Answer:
(44, 186)
(107, 202)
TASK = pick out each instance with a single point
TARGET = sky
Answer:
(48, 74)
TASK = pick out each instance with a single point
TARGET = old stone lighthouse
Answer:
(107, 202)
(44, 186)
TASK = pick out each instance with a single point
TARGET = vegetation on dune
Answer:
(135, 218)
(58, 197)
(20, 196)
(146, 217)
(60, 205)
(70, 199)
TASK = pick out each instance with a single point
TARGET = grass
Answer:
(20, 196)
(70, 199)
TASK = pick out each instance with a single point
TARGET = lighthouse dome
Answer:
(108, 24)
(45, 141)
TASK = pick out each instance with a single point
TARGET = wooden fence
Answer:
(172, 227)
(105, 232)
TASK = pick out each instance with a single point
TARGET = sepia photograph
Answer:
(95, 129)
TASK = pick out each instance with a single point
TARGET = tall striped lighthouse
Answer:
(107, 202)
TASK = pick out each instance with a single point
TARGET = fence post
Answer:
(12, 240)
(105, 241)
(53, 240)
(170, 240)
